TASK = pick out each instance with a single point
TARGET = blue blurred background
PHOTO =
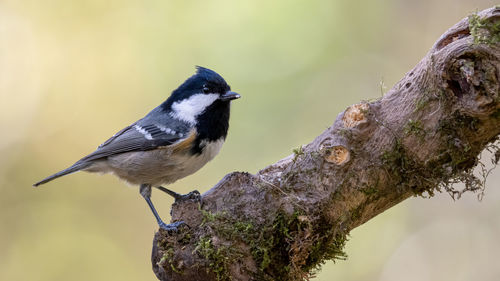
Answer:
(74, 72)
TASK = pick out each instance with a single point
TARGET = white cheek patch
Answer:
(188, 109)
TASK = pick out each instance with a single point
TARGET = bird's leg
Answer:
(145, 191)
(195, 194)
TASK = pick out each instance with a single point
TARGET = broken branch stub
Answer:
(355, 115)
(337, 155)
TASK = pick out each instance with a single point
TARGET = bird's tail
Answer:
(75, 168)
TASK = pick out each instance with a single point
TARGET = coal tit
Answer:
(173, 141)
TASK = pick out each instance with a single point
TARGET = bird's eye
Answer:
(206, 90)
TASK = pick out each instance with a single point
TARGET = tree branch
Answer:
(424, 135)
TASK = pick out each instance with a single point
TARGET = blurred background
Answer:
(72, 73)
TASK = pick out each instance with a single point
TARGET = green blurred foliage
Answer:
(74, 72)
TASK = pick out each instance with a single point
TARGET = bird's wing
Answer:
(139, 136)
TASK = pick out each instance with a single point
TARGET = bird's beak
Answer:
(229, 96)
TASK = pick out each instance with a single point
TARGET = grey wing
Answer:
(115, 136)
(139, 136)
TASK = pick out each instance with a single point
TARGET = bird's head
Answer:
(203, 91)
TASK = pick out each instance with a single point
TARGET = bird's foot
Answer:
(172, 227)
(193, 195)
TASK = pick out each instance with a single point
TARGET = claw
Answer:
(172, 227)
(193, 195)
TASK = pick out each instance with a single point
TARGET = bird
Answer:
(172, 141)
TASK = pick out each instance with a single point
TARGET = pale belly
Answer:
(157, 167)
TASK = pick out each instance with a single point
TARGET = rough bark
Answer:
(425, 134)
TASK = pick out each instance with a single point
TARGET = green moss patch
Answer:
(289, 248)
(455, 162)
(218, 258)
(484, 31)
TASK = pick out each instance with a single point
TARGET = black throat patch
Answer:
(212, 124)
